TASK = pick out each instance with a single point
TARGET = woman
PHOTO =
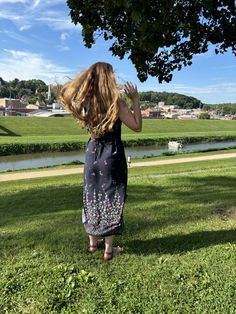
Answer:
(95, 101)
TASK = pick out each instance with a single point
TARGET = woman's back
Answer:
(95, 101)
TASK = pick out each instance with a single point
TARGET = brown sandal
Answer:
(115, 251)
(92, 248)
(108, 256)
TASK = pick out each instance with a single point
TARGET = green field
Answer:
(35, 129)
(180, 242)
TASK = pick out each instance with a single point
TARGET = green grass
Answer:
(180, 242)
(50, 130)
(183, 128)
(36, 126)
(182, 167)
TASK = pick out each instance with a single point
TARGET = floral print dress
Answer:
(105, 184)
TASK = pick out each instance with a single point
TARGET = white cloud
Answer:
(121, 77)
(37, 12)
(35, 4)
(64, 36)
(57, 21)
(63, 48)
(25, 27)
(15, 36)
(8, 15)
(27, 65)
(12, 1)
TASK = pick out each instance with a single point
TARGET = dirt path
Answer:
(62, 172)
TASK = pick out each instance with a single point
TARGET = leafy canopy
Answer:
(158, 36)
(31, 89)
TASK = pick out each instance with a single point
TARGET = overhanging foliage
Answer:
(158, 36)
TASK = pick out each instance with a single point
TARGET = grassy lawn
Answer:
(50, 130)
(180, 242)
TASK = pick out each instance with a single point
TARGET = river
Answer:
(17, 162)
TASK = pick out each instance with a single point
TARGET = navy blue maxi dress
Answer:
(105, 184)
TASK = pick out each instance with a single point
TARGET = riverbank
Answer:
(23, 135)
(30, 148)
(79, 170)
(75, 162)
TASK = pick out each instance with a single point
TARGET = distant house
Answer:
(10, 106)
(144, 114)
(16, 107)
(32, 106)
(41, 105)
(57, 106)
(9, 102)
(151, 113)
(161, 104)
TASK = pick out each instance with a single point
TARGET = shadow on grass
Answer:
(33, 203)
(205, 195)
(6, 132)
(186, 186)
(53, 213)
(181, 243)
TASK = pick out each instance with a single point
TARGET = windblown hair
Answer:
(93, 98)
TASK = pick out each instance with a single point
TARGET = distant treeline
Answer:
(227, 108)
(33, 90)
(30, 90)
(183, 101)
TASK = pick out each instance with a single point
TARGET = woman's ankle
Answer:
(93, 241)
(108, 248)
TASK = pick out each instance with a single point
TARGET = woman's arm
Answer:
(132, 120)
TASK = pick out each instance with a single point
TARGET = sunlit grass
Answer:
(180, 241)
(41, 130)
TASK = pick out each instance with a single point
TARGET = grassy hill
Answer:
(20, 135)
(13, 127)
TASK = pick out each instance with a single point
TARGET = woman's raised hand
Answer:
(131, 91)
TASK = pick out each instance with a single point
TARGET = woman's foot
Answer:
(93, 247)
(115, 251)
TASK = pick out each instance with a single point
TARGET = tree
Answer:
(29, 88)
(204, 115)
(158, 36)
(182, 101)
(2, 82)
(4, 92)
(14, 83)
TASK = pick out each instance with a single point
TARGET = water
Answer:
(18, 162)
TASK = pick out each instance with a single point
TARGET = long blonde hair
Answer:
(93, 98)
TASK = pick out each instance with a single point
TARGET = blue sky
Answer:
(37, 40)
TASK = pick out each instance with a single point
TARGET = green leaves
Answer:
(146, 30)
(18, 88)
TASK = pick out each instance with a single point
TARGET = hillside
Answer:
(152, 128)
(183, 101)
